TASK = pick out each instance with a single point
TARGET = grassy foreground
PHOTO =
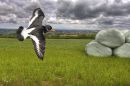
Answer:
(65, 64)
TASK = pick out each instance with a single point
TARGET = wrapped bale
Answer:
(111, 38)
(127, 37)
(124, 31)
(95, 49)
(122, 51)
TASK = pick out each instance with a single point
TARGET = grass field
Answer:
(65, 64)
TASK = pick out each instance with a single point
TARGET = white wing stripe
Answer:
(37, 43)
(32, 20)
(24, 33)
(30, 30)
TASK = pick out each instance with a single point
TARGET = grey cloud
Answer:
(118, 9)
(79, 10)
(5, 8)
(12, 21)
(22, 9)
(8, 8)
(105, 20)
(49, 7)
(30, 7)
(8, 18)
(84, 9)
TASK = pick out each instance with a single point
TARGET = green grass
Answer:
(65, 64)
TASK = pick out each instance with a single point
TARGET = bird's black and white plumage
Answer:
(35, 31)
(36, 19)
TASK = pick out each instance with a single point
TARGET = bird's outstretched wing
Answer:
(36, 19)
(39, 45)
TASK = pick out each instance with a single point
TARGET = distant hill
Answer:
(7, 31)
(11, 33)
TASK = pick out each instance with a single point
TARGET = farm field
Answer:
(65, 64)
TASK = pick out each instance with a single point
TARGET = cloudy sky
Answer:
(98, 12)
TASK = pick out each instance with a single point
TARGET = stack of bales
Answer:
(110, 42)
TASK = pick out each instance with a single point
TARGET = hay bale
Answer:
(95, 49)
(111, 38)
(127, 37)
(122, 51)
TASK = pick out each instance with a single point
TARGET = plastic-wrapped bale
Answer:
(95, 49)
(122, 51)
(124, 31)
(127, 37)
(111, 38)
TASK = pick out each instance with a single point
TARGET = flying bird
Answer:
(35, 31)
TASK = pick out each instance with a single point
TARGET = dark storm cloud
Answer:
(14, 11)
(14, 8)
(78, 10)
(22, 9)
(5, 8)
(30, 7)
(118, 9)
(83, 9)
(106, 20)
(12, 21)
